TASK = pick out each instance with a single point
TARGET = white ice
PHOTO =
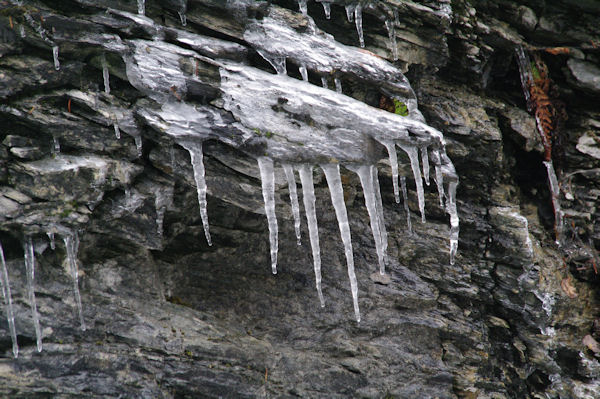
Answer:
(358, 22)
(308, 197)
(425, 161)
(332, 174)
(324, 82)
(405, 200)
(30, 271)
(379, 207)
(302, 7)
(197, 159)
(117, 130)
(393, 156)
(555, 194)
(350, 12)
(267, 180)
(50, 235)
(303, 72)
(141, 7)
(55, 56)
(10, 315)
(327, 9)
(413, 155)
(389, 25)
(277, 62)
(338, 85)
(291, 180)
(105, 75)
(138, 144)
(55, 145)
(72, 246)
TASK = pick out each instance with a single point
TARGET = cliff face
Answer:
(113, 121)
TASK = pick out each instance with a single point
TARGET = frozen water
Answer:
(389, 26)
(302, 7)
(379, 207)
(350, 12)
(267, 180)
(338, 85)
(10, 315)
(393, 156)
(72, 246)
(308, 197)
(413, 155)
(324, 82)
(278, 63)
(138, 144)
(303, 72)
(291, 180)
(405, 200)
(30, 271)
(358, 22)
(50, 235)
(425, 161)
(105, 75)
(332, 174)
(141, 7)
(55, 56)
(327, 9)
(555, 194)
(55, 145)
(117, 130)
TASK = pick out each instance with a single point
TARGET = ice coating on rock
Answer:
(425, 162)
(55, 56)
(365, 174)
(555, 195)
(332, 174)
(30, 271)
(141, 7)
(278, 63)
(413, 155)
(405, 201)
(389, 26)
(338, 85)
(267, 180)
(303, 72)
(72, 246)
(302, 7)
(10, 315)
(308, 198)
(358, 22)
(350, 12)
(105, 75)
(327, 9)
(197, 159)
(291, 180)
(393, 156)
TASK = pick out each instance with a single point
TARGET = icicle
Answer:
(105, 75)
(327, 9)
(359, 28)
(405, 199)
(302, 7)
(182, 18)
(267, 179)
(454, 227)
(278, 63)
(338, 85)
(291, 180)
(55, 55)
(324, 82)
(413, 155)
(52, 241)
(141, 7)
(117, 130)
(524, 72)
(10, 315)
(555, 193)
(30, 271)
(350, 12)
(425, 161)
(303, 72)
(22, 31)
(439, 177)
(391, 149)
(389, 25)
(197, 158)
(332, 174)
(308, 197)
(55, 145)
(138, 144)
(379, 207)
(72, 246)
(366, 180)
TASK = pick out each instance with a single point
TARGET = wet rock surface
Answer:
(170, 316)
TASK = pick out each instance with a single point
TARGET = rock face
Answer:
(107, 106)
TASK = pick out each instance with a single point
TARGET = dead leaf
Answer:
(567, 286)
(558, 50)
(591, 343)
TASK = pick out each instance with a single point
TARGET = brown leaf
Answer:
(591, 343)
(567, 286)
(558, 50)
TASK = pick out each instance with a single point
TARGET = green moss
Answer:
(400, 108)
(535, 71)
(268, 134)
(257, 132)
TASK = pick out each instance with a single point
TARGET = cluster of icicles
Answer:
(369, 180)
(71, 240)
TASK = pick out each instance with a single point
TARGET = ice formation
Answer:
(105, 75)
(326, 9)
(141, 7)
(30, 271)
(55, 56)
(291, 180)
(72, 246)
(358, 22)
(10, 316)
(267, 180)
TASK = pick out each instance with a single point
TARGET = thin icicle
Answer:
(555, 195)
(358, 22)
(55, 145)
(393, 156)
(141, 7)
(454, 227)
(10, 315)
(197, 159)
(324, 82)
(105, 75)
(117, 130)
(55, 56)
(267, 180)
(50, 235)
(338, 85)
(366, 180)
(277, 62)
(138, 145)
(405, 200)
(413, 155)
(389, 25)
(525, 74)
(379, 207)
(183, 18)
(308, 197)
(22, 31)
(302, 7)
(425, 161)
(439, 177)
(327, 9)
(291, 180)
(303, 72)
(30, 271)
(72, 246)
(350, 12)
(332, 174)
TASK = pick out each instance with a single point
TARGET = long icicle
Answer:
(72, 247)
(425, 161)
(379, 206)
(413, 155)
(359, 27)
(405, 200)
(332, 174)
(391, 149)
(267, 180)
(30, 271)
(366, 181)
(291, 180)
(197, 159)
(10, 314)
(308, 197)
